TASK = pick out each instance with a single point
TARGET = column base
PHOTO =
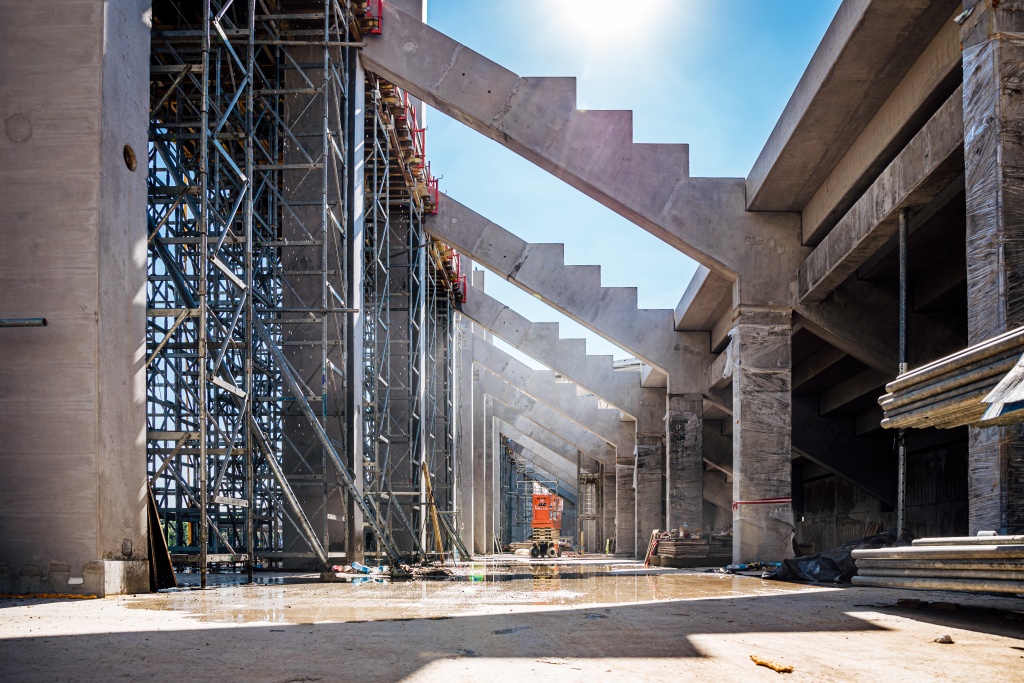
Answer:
(99, 578)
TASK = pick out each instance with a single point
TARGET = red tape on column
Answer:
(763, 501)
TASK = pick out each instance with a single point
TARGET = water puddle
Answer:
(303, 599)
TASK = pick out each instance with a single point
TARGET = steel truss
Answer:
(254, 445)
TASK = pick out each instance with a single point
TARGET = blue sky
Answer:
(715, 75)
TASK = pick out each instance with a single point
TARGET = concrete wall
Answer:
(75, 91)
(835, 511)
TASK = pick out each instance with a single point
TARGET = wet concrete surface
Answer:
(282, 598)
(570, 622)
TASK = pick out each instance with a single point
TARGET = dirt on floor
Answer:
(576, 620)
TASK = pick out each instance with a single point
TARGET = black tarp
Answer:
(834, 566)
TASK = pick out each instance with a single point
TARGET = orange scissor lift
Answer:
(547, 525)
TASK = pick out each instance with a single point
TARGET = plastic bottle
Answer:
(684, 531)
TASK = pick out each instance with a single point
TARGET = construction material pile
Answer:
(670, 546)
(984, 563)
(955, 390)
(686, 547)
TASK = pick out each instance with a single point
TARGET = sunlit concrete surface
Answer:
(571, 621)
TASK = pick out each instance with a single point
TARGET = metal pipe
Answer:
(943, 552)
(1009, 340)
(289, 496)
(22, 322)
(980, 585)
(911, 572)
(971, 540)
(936, 411)
(248, 417)
(901, 437)
(939, 399)
(993, 368)
(989, 565)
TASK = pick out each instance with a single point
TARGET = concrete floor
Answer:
(571, 621)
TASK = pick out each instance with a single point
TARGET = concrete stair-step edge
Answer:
(540, 269)
(595, 373)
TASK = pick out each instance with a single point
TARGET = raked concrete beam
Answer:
(576, 291)
(865, 462)
(593, 151)
(861, 318)
(717, 490)
(566, 450)
(563, 397)
(569, 358)
(590, 444)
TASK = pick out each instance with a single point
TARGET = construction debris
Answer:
(778, 668)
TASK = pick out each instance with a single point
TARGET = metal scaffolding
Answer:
(411, 284)
(519, 480)
(257, 355)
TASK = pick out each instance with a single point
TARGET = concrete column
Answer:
(649, 487)
(684, 468)
(625, 510)
(492, 478)
(479, 464)
(994, 164)
(762, 438)
(304, 460)
(355, 538)
(465, 481)
(608, 511)
(74, 94)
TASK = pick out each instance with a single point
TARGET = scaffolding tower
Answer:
(299, 333)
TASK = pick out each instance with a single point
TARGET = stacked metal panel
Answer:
(955, 390)
(987, 564)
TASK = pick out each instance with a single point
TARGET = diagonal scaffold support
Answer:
(328, 446)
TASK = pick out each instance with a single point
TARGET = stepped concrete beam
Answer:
(593, 151)
(592, 446)
(563, 397)
(554, 442)
(867, 50)
(595, 373)
(553, 462)
(576, 291)
(568, 357)
(929, 162)
(501, 363)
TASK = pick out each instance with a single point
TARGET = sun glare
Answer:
(591, 21)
